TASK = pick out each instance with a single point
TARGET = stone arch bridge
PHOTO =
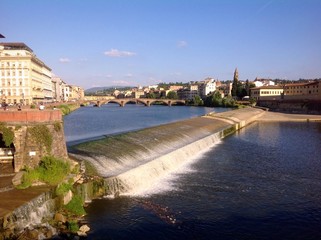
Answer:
(146, 101)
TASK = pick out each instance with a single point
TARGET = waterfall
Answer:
(140, 178)
(32, 213)
(135, 161)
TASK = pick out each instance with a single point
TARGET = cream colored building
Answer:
(307, 90)
(24, 78)
(267, 92)
(73, 93)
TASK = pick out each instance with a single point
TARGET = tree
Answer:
(214, 100)
(172, 95)
(151, 95)
(235, 83)
(197, 101)
(247, 87)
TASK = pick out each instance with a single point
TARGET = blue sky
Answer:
(142, 42)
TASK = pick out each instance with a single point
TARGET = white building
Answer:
(259, 82)
(206, 87)
(25, 79)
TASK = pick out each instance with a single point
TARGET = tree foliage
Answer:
(215, 100)
(172, 95)
(197, 101)
(235, 83)
(7, 134)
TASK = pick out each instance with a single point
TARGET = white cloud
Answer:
(109, 76)
(118, 53)
(182, 44)
(129, 75)
(64, 60)
(176, 74)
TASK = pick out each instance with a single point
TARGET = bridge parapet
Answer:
(146, 101)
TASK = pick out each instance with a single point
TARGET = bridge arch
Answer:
(146, 101)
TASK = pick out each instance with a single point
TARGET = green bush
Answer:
(7, 134)
(57, 126)
(53, 170)
(64, 108)
(50, 170)
(29, 177)
(75, 206)
(73, 226)
(63, 188)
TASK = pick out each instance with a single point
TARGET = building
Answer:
(175, 88)
(188, 93)
(267, 92)
(305, 90)
(72, 93)
(138, 93)
(58, 86)
(226, 89)
(259, 82)
(25, 79)
(206, 87)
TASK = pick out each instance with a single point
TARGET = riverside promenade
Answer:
(13, 199)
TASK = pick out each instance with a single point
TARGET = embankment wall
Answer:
(36, 134)
(293, 106)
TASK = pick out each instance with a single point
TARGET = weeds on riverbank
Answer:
(51, 170)
(67, 108)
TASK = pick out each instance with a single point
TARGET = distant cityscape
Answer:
(25, 80)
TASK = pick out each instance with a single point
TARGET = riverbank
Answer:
(143, 144)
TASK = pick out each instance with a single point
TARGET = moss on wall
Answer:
(7, 134)
(42, 135)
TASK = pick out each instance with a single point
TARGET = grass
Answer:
(67, 108)
(75, 206)
(63, 188)
(51, 170)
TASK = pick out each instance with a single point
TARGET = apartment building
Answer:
(207, 86)
(306, 89)
(267, 92)
(188, 93)
(58, 89)
(25, 79)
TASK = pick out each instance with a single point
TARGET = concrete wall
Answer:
(292, 106)
(28, 151)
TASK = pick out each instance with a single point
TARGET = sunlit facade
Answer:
(25, 79)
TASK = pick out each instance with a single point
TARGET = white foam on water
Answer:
(167, 183)
(160, 174)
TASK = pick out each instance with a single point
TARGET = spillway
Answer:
(134, 161)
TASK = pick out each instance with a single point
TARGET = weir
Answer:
(133, 162)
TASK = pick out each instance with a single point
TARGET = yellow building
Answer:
(303, 90)
(25, 79)
(267, 92)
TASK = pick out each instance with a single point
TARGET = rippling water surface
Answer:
(261, 183)
(92, 122)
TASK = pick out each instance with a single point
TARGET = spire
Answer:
(236, 74)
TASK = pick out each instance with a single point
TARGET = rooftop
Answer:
(268, 87)
(15, 46)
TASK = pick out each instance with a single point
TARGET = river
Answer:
(261, 183)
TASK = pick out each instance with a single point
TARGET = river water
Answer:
(262, 182)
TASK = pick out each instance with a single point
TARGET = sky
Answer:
(96, 43)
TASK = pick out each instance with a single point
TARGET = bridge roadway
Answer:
(146, 101)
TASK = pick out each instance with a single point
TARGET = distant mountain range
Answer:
(96, 89)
